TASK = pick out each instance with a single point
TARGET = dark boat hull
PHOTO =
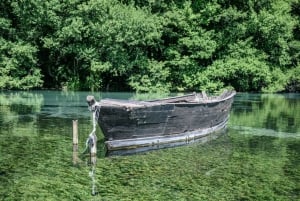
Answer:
(132, 124)
(157, 144)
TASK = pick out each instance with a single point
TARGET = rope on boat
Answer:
(91, 142)
(92, 174)
(92, 138)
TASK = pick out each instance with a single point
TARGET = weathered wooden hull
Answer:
(132, 146)
(155, 144)
(132, 124)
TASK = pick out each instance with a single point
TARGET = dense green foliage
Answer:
(150, 45)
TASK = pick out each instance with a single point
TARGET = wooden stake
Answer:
(75, 142)
(75, 132)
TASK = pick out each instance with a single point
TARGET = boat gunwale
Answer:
(139, 104)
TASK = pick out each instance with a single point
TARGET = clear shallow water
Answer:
(257, 159)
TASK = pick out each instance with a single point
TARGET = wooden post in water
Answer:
(75, 142)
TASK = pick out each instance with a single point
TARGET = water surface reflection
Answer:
(257, 159)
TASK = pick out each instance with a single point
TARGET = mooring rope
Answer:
(92, 174)
(92, 138)
(96, 111)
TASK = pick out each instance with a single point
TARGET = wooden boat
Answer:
(129, 124)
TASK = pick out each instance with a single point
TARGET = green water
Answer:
(257, 159)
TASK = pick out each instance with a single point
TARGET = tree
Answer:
(188, 47)
(151, 45)
(103, 42)
(18, 61)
